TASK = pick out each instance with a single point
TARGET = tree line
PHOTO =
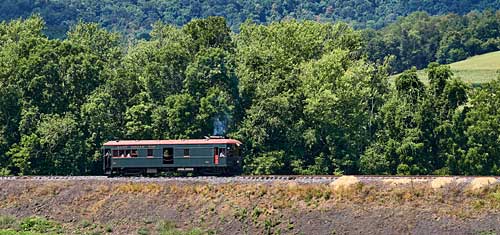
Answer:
(303, 97)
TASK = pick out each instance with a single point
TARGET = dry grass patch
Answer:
(202, 190)
(403, 181)
(440, 182)
(396, 182)
(482, 182)
(99, 204)
(148, 188)
(48, 189)
(344, 182)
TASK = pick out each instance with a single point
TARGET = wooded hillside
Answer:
(416, 32)
(135, 17)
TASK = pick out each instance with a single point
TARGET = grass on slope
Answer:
(41, 226)
(477, 69)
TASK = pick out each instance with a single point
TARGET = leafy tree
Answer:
(212, 68)
(451, 48)
(97, 41)
(138, 121)
(10, 112)
(482, 156)
(176, 118)
(102, 119)
(423, 127)
(54, 148)
(159, 64)
(216, 113)
(336, 110)
(268, 163)
(376, 159)
(399, 144)
(271, 60)
(211, 32)
(211, 79)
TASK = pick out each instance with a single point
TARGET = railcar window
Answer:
(125, 153)
(233, 150)
(150, 153)
(237, 150)
(186, 152)
(168, 156)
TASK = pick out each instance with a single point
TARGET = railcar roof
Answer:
(169, 142)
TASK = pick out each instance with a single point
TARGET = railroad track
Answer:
(304, 179)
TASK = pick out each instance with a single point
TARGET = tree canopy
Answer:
(135, 18)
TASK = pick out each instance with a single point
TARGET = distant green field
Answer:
(477, 69)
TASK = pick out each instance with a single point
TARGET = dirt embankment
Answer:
(347, 207)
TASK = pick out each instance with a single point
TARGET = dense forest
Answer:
(305, 97)
(135, 17)
(443, 31)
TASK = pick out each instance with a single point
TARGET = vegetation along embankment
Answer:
(348, 205)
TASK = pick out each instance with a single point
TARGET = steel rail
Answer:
(306, 179)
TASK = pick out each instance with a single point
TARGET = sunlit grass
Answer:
(474, 70)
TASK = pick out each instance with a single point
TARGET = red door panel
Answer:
(216, 156)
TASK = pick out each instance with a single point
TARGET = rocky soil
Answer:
(444, 206)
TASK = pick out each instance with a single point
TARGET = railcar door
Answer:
(216, 156)
(233, 153)
(107, 161)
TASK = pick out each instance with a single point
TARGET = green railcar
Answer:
(204, 156)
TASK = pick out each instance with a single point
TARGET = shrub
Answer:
(143, 231)
(85, 223)
(196, 231)
(7, 222)
(39, 224)
(4, 171)
(168, 228)
(165, 227)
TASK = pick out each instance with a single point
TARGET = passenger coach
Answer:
(202, 156)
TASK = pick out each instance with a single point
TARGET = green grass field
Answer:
(477, 69)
